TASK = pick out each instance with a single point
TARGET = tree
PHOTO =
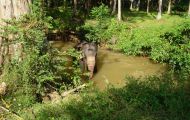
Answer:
(159, 16)
(131, 6)
(119, 10)
(114, 6)
(148, 5)
(138, 5)
(75, 6)
(11, 9)
(64, 4)
(189, 9)
(169, 6)
(87, 5)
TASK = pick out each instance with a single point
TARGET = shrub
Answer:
(178, 39)
(169, 44)
(41, 69)
(97, 29)
(153, 98)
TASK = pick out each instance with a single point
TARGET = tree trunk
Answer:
(159, 16)
(189, 9)
(75, 7)
(20, 7)
(169, 6)
(114, 6)
(65, 4)
(138, 5)
(148, 4)
(131, 6)
(87, 6)
(1, 53)
(119, 10)
(11, 9)
(111, 3)
(6, 12)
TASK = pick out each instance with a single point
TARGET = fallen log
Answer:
(8, 111)
(64, 94)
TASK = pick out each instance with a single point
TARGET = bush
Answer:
(41, 69)
(178, 39)
(29, 32)
(169, 44)
(152, 98)
(94, 31)
(100, 13)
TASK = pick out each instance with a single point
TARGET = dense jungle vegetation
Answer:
(32, 68)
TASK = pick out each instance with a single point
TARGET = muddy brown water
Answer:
(112, 67)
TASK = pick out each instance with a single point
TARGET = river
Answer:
(112, 67)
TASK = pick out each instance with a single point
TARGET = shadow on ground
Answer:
(153, 99)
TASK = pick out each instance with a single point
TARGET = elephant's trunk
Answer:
(91, 63)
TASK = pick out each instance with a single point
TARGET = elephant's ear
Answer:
(80, 45)
(95, 45)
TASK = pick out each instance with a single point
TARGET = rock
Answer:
(113, 40)
(54, 97)
(3, 88)
(45, 99)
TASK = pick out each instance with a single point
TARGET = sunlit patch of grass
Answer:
(142, 18)
(136, 17)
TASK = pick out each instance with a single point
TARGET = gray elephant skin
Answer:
(89, 54)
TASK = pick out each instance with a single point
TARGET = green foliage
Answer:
(45, 69)
(178, 39)
(74, 72)
(28, 32)
(61, 17)
(136, 41)
(181, 6)
(152, 98)
(91, 33)
(113, 29)
(104, 32)
(96, 30)
(100, 13)
(163, 43)
(41, 69)
(138, 100)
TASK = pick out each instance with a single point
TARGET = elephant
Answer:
(88, 56)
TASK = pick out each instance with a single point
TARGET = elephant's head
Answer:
(89, 51)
